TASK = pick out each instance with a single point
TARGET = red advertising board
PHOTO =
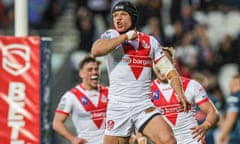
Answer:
(19, 90)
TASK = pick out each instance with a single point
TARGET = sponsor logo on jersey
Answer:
(137, 61)
(61, 106)
(172, 109)
(140, 61)
(156, 95)
(110, 124)
(166, 89)
(97, 115)
(84, 100)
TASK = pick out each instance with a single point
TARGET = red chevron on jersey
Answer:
(139, 57)
(98, 112)
(170, 107)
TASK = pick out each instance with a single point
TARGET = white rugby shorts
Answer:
(122, 118)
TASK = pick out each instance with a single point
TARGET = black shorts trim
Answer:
(146, 122)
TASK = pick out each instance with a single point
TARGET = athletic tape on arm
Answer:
(165, 66)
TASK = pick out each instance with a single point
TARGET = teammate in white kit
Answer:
(86, 103)
(184, 125)
(129, 55)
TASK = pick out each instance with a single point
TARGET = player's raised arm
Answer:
(103, 46)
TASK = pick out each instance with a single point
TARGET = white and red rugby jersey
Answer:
(129, 67)
(88, 109)
(165, 98)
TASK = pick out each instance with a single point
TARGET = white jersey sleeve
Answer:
(198, 93)
(110, 33)
(156, 48)
(66, 103)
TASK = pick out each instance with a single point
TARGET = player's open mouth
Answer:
(94, 77)
(119, 24)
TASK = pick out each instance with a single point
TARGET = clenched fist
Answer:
(131, 35)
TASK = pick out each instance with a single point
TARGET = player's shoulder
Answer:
(68, 95)
(191, 82)
(111, 32)
(75, 90)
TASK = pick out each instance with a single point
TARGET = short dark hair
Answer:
(87, 59)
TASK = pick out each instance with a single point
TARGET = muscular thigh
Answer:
(157, 129)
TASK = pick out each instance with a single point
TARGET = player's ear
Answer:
(80, 74)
